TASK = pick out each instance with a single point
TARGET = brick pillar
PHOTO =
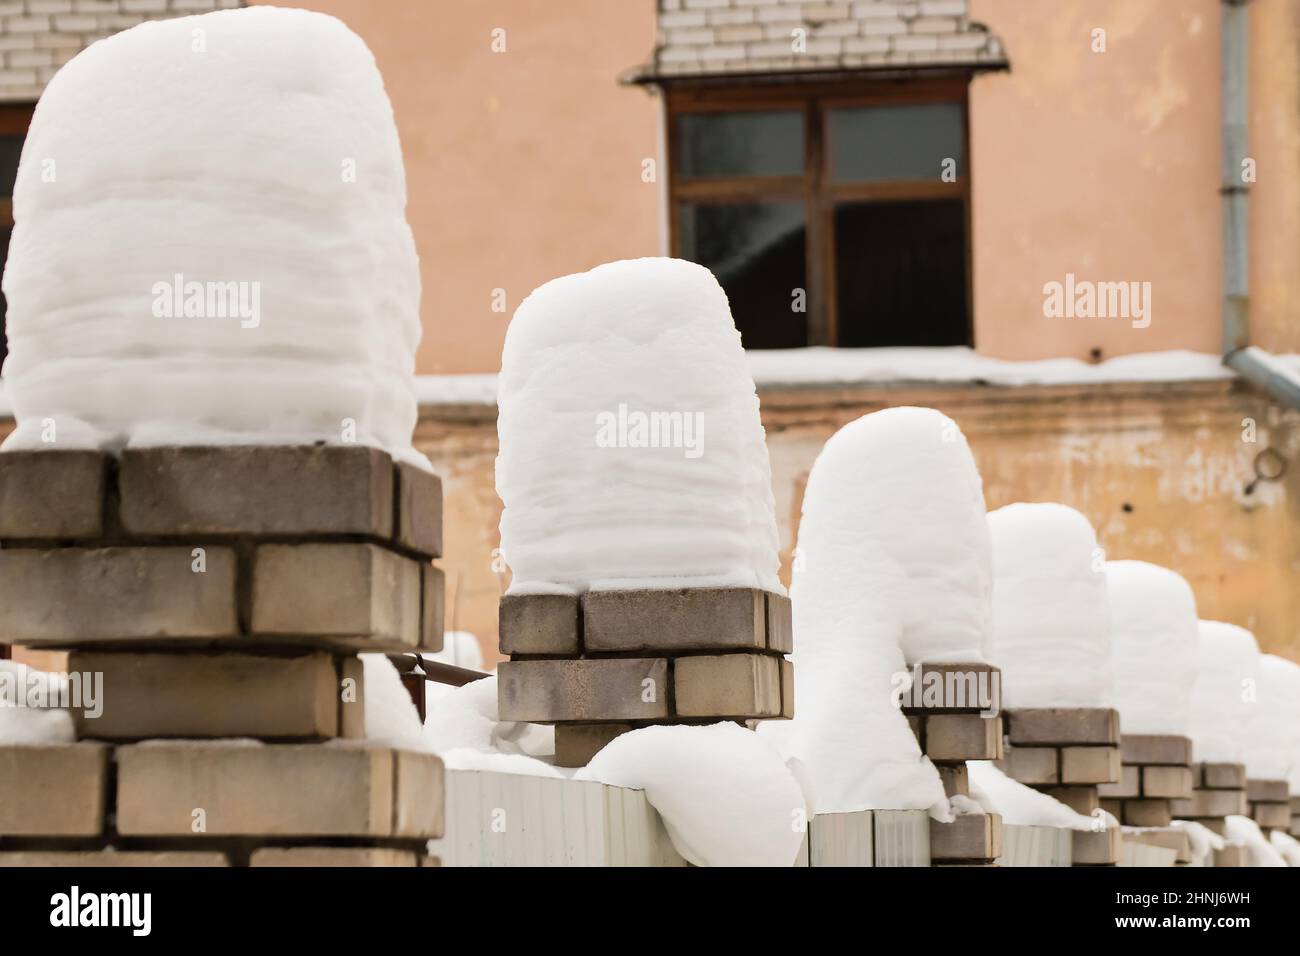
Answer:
(600, 664)
(1156, 771)
(953, 710)
(1068, 753)
(1270, 803)
(219, 593)
(1218, 791)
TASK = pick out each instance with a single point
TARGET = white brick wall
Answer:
(39, 36)
(755, 36)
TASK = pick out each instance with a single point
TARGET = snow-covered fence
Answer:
(498, 819)
(1036, 846)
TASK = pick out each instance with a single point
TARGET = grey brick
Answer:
(210, 695)
(1212, 803)
(1079, 799)
(780, 623)
(357, 596)
(115, 859)
(1147, 813)
(1032, 765)
(419, 510)
(52, 494)
(608, 689)
(1220, 776)
(331, 856)
(284, 790)
(257, 490)
(963, 737)
(538, 624)
(1169, 782)
(971, 836)
(433, 604)
(1271, 815)
(1156, 749)
(1090, 764)
(1129, 785)
(1097, 847)
(55, 790)
(674, 619)
(1067, 725)
(576, 744)
(70, 597)
(727, 685)
(1269, 791)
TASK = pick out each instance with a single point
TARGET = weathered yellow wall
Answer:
(526, 165)
(1173, 453)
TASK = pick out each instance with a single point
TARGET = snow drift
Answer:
(851, 601)
(186, 269)
(631, 449)
(1153, 627)
(1225, 694)
(726, 797)
(1018, 804)
(1051, 620)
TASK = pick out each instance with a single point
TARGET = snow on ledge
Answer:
(825, 367)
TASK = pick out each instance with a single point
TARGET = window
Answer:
(14, 121)
(829, 216)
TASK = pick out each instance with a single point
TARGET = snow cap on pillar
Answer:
(920, 504)
(1275, 750)
(852, 599)
(211, 243)
(632, 454)
(1153, 629)
(1225, 694)
(1051, 622)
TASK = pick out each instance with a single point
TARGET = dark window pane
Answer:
(757, 252)
(11, 148)
(895, 142)
(6, 231)
(900, 273)
(748, 143)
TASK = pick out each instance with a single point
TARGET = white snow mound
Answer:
(1225, 694)
(918, 499)
(466, 718)
(1274, 752)
(1287, 847)
(851, 599)
(631, 449)
(390, 715)
(1051, 620)
(186, 268)
(1153, 630)
(726, 797)
(1259, 851)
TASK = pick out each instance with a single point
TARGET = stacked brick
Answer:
(603, 663)
(219, 593)
(1218, 791)
(1156, 770)
(702, 37)
(949, 710)
(1270, 803)
(1295, 816)
(1069, 753)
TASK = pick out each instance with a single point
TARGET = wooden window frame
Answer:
(814, 186)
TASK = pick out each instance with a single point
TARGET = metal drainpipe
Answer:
(1251, 363)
